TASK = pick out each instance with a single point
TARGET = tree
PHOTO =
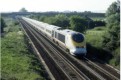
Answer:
(62, 20)
(41, 18)
(78, 23)
(2, 25)
(111, 40)
(23, 10)
(50, 20)
(58, 20)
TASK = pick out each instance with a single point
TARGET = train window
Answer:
(78, 37)
(48, 31)
(61, 37)
(52, 33)
(42, 28)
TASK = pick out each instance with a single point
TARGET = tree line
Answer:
(74, 22)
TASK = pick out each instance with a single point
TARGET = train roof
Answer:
(52, 27)
(45, 25)
(67, 31)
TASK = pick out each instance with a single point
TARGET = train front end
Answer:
(78, 44)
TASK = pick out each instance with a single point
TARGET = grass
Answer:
(100, 28)
(16, 59)
(94, 37)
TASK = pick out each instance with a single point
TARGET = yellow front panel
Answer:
(71, 43)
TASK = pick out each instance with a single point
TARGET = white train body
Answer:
(72, 41)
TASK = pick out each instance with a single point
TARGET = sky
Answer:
(55, 5)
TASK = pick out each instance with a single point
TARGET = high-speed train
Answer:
(74, 42)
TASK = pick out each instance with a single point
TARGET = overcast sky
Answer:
(55, 5)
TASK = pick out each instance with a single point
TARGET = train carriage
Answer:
(73, 41)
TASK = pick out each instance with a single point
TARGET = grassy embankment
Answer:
(94, 38)
(17, 62)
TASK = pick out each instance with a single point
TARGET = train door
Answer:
(52, 33)
(55, 34)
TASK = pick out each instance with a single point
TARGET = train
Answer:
(72, 41)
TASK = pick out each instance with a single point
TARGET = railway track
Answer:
(45, 57)
(100, 69)
(84, 69)
(66, 68)
(105, 66)
(89, 75)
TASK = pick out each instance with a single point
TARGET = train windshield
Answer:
(78, 37)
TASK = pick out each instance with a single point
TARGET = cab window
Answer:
(78, 37)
